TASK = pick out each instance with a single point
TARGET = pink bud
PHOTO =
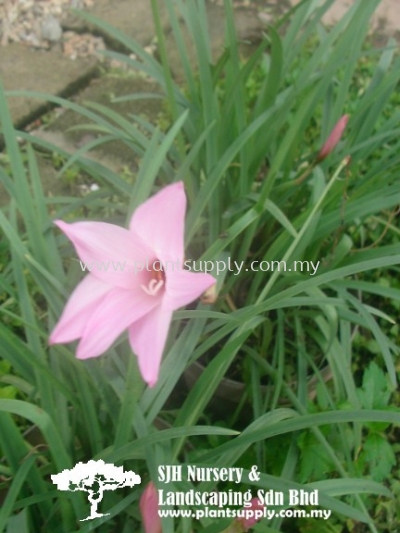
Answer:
(256, 510)
(333, 138)
(149, 509)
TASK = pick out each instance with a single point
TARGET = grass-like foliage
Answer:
(244, 136)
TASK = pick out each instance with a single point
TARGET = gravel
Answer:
(38, 23)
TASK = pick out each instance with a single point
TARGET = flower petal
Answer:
(147, 337)
(118, 310)
(182, 287)
(160, 222)
(111, 253)
(86, 297)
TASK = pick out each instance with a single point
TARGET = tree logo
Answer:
(94, 477)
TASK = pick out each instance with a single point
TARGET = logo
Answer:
(94, 477)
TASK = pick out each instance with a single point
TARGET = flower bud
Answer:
(149, 509)
(333, 138)
(210, 296)
(258, 512)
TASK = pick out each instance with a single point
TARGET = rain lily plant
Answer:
(314, 357)
(139, 299)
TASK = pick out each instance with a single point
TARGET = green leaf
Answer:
(375, 392)
(19, 522)
(378, 454)
(14, 490)
(314, 462)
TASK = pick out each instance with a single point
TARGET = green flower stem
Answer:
(301, 233)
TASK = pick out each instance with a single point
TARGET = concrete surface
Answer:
(50, 71)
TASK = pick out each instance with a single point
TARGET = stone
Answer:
(23, 68)
(51, 29)
(386, 16)
(132, 17)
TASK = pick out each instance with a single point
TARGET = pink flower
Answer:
(333, 138)
(138, 296)
(253, 514)
(149, 509)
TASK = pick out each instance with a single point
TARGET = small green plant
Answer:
(376, 457)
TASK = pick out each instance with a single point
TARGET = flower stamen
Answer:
(157, 280)
(153, 287)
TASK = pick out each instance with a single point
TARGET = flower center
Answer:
(157, 279)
